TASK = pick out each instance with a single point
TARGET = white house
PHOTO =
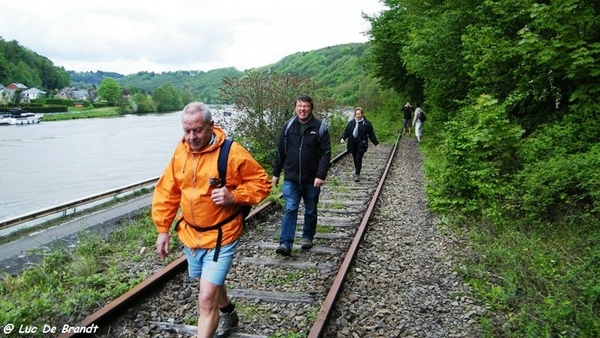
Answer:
(32, 93)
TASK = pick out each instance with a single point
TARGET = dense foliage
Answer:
(21, 65)
(512, 147)
(339, 70)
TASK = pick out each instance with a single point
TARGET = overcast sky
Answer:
(128, 36)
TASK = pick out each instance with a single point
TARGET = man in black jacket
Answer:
(303, 153)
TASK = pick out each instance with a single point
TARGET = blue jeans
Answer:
(292, 192)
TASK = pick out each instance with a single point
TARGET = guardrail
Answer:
(72, 205)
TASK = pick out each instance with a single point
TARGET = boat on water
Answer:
(17, 116)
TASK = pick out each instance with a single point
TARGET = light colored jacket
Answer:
(185, 183)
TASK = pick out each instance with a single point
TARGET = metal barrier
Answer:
(71, 205)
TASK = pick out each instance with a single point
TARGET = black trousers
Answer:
(357, 155)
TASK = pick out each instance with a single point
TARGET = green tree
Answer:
(142, 103)
(266, 101)
(110, 91)
(385, 58)
(167, 98)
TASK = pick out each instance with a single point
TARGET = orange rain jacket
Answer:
(185, 183)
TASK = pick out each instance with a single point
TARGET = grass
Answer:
(281, 276)
(82, 114)
(66, 283)
(544, 283)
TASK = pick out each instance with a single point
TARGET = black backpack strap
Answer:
(222, 167)
(222, 162)
(285, 133)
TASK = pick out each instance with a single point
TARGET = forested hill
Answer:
(337, 69)
(89, 79)
(21, 65)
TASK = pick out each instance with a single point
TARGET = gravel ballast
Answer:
(403, 282)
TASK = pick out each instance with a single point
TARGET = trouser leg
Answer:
(291, 196)
(310, 196)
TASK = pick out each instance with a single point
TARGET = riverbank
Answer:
(83, 114)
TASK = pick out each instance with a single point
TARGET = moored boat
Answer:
(17, 116)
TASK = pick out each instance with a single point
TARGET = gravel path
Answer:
(403, 282)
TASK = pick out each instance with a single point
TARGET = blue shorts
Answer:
(201, 264)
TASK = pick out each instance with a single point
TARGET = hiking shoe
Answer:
(306, 244)
(227, 321)
(356, 178)
(284, 250)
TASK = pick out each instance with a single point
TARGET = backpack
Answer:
(422, 116)
(288, 124)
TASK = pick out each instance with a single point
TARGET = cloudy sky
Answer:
(128, 36)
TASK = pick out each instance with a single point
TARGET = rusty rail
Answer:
(323, 316)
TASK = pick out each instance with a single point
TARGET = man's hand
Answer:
(222, 196)
(318, 182)
(275, 180)
(162, 244)
(342, 140)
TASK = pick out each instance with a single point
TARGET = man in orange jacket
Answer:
(191, 182)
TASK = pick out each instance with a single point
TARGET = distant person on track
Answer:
(303, 154)
(358, 132)
(418, 121)
(407, 118)
(190, 182)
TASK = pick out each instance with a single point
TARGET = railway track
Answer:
(274, 295)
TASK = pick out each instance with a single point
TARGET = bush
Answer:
(560, 188)
(473, 167)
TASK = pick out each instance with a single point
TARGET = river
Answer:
(52, 163)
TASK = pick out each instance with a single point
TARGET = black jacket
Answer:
(302, 157)
(365, 130)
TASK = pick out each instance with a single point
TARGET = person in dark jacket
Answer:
(358, 132)
(303, 153)
(407, 118)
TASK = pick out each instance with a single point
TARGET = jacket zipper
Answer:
(300, 158)
(194, 165)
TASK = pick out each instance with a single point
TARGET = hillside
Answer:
(338, 69)
(21, 65)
